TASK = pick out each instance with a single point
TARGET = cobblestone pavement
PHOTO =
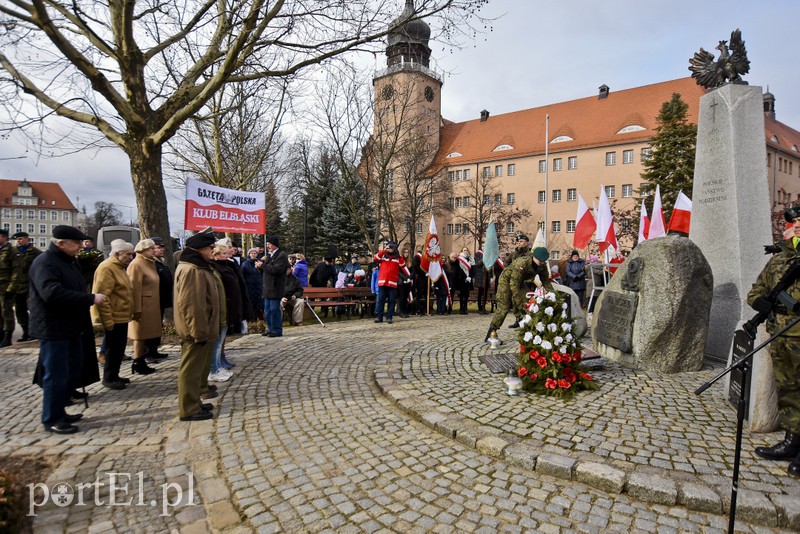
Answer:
(395, 428)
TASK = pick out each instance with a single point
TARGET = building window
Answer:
(542, 165)
(610, 189)
(459, 175)
(17, 227)
(570, 226)
(572, 162)
(465, 228)
(53, 215)
(486, 200)
(42, 215)
(627, 156)
(498, 199)
(540, 226)
(450, 202)
(611, 158)
(512, 169)
(510, 228)
(511, 198)
(487, 172)
(556, 226)
(557, 164)
(541, 197)
(466, 174)
(418, 228)
(458, 202)
(556, 195)
(458, 228)
(17, 213)
(647, 153)
(555, 255)
(42, 242)
(6, 226)
(466, 202)
(42, 228)
(627, 190)
(451, 175)
(6, 213)
(498, 171)
(31, 214)
(31, 228)
(449, 228)
(572, 194)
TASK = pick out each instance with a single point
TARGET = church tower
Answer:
(407, 93)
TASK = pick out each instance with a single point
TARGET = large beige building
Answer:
(35, 208)
(540, 159)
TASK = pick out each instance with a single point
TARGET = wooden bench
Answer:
(350, 297)
(490, 298)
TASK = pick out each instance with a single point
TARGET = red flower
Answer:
(522, 372)
(566, 358)
(577, 356)
(521, 348)
(542, 361)
(570, 377)
(534, 354)
(550, 383)
(557, 357)
(533, 376)
(586, 377)
(563, 384)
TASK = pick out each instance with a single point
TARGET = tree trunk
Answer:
(151, 197)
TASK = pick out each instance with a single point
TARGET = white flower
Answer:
(539, 300)
(549, 311)
(569, 337)
(535, 309)
(564, 306)
(566, 327)
(540, 326)
(563, 315)
(525, 320)
(563, 349)
(527, 337)
(537, 340)
(546, 345)
(551, 296)
(558, 340)
(552, 327)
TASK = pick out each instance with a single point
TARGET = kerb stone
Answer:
(600, 476)
(555, 465)
(652, 488)
(699, 498)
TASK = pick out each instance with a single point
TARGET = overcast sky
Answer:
(536, 53)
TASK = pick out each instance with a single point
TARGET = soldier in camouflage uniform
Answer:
(17, 291)
(89, 259)
(523, 248)
(785, 350)
(7, 253)
(514, 283)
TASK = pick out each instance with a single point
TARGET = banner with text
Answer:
(224, 210)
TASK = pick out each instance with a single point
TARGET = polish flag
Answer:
(585, 226)
(644, 224)
(606, 237)
(681, 214)
(657, 226)
(432, 253)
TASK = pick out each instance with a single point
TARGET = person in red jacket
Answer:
(390, 262)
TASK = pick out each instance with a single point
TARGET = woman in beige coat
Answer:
(146, 323)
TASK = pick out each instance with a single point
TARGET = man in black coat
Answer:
(274, 265)
(59, 310)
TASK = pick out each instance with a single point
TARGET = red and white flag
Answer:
(585, 226)
(657, 226)
(606, 237)
(681, 214)
(432, 253)
(644, 224)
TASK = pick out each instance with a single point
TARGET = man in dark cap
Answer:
(274, 266)
(7, 253)
(515, 282)
(17, 289)
(197, 321)
(59, 315)
(164, 294)
(785, 350)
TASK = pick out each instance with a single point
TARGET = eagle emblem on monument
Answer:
(732, 63)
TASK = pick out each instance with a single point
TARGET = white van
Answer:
(108, 234)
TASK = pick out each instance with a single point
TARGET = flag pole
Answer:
(546, 171)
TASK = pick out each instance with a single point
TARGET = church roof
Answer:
(49, 194)
(620, 117)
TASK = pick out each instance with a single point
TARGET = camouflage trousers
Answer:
(505, 304)
(785, 352)
(18, 301)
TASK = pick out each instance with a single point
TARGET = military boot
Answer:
(785, 450)
(25, 336)
(794, 467)
(6, 338)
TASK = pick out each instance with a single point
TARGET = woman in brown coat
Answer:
(146, 323)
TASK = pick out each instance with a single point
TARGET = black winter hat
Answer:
(206, 238)
(274, 240)
(68, 232)
(792, 213)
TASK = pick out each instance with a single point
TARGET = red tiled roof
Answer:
(47, 191)
(588, 121)
(787, 137)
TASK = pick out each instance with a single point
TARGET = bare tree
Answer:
(105, 214)
(134, 72)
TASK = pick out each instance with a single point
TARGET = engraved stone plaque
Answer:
(615, 320)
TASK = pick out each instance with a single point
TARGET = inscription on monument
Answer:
(713, 191)
(615, 320)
